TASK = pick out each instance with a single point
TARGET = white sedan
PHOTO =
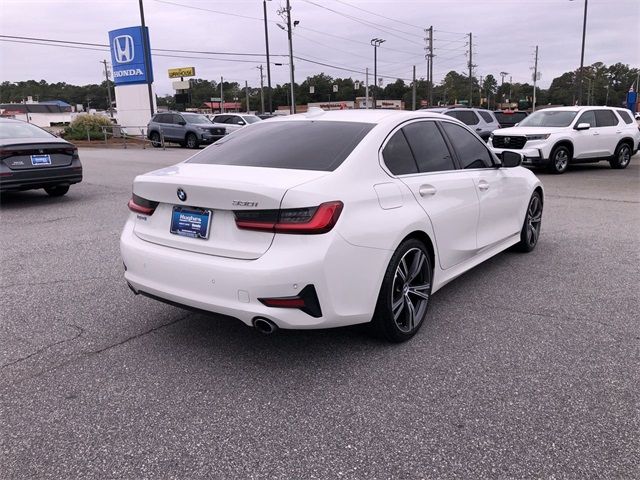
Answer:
(328, 219)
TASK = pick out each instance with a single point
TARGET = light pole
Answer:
(376, 42)
(266, 42)
(584, 33)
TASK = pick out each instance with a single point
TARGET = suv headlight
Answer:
(537, 137)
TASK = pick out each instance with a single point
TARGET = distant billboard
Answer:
(182, 72)
(128, 56)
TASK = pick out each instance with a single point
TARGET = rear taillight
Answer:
(307, 220)
(73, 151)
(141, 205)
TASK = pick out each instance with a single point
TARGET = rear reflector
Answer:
(306, 300)
(141, 205)
(307, 220)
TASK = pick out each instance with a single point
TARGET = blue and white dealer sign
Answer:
(128, 54)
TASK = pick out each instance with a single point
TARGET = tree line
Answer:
(602, 85)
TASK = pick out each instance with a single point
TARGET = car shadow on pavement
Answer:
(31, 198)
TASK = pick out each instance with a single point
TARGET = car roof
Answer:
(575, 108)
(358, 115)
(11, 120)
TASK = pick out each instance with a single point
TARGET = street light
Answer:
(375, 42)
(584, 32)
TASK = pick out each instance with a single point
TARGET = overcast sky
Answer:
(505, 33)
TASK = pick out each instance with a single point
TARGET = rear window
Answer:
(510, 117)
(22, 130)
(465, 116)
(486, 116)
(625, 115)
(605, 118)
(297, 145)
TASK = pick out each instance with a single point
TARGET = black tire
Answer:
(559, 159)
(404, 297)
(621, 157)
(57, 190)
(191, 141)
(530, 233)
(155, 139)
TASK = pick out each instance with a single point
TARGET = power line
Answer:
(367, 23)
(213, 11)
(377, 14)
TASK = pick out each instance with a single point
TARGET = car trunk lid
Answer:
(37, 155)
(219, 189)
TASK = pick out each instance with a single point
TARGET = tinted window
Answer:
(163, 118)
(549, 118)
(176, 119)
(301, 145)
(605, 118)
(428, 146)
(220, 118)
(587, 117)
(251, 118)
(510, 118)
(625, 115)
(196, 119)
(397, 155)
(234, 119)
(465, 116)
(471, 152)
(22, 130)
(486, 116)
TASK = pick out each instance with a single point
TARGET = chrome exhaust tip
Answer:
(264, 325)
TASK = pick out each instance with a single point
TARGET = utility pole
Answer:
(366, 88)
(535, 79)
(221, 96)
(266, 42)
(106, 76)
(480, 92)
(246, 92)
(261, 89)
(430, 66)
(413, 90)
(292, 108)
(580, 73)
(147, 55)
(502, 75)
(471, 69)
(376, 42)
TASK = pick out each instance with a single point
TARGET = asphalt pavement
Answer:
(528, 366)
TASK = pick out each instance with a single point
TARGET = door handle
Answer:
(596, 133)
(483, 186)
(427, 190)
(619, 131)
(478, 129)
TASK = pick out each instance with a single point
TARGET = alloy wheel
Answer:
(410, 290)
(624, 156)
(561, 160)
(534, 220)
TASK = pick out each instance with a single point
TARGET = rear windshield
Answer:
(512, 117)
(549, 118)
(21, 130)
(251, 118)
(298, 145)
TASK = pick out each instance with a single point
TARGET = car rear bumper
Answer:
(16, 180)
(346, 278)
(532, 156)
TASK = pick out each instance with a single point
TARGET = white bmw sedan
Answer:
(328, 219)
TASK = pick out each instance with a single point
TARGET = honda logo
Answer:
(123, 49)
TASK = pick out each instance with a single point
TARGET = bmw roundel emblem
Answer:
(182, 195)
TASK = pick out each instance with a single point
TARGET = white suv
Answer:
(557, 137)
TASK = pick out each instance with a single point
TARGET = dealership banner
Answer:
(127, 47)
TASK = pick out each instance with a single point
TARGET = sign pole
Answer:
(147, 55)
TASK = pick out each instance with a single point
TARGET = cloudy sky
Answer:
(335, 32)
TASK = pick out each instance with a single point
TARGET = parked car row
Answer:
(191, 130)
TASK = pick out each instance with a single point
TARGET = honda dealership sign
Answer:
(128, 56)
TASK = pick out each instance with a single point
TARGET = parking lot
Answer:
(526, 367)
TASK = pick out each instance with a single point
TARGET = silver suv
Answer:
(187, 129)
(482, 121)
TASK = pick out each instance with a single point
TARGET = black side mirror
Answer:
(182, 122)
(511, 159)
